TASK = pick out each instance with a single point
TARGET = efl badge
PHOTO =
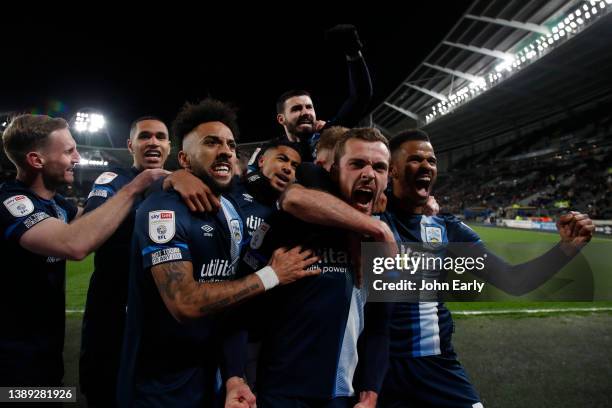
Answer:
(433, 234)
(105, 177)
(259, 235)
(19, 205)
(161, 226)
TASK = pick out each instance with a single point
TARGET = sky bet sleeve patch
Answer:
(161, 226)
(105, 177)
(19, 205)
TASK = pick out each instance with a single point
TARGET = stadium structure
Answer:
(517, 100)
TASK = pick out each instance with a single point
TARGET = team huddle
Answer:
(222, 287)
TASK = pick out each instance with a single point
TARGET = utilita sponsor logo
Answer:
(333, 256)
(215, 269)
(253, 222)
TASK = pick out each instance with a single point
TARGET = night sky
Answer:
(131, 68)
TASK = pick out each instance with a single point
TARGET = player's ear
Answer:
(183, 160)
(129, 145)
(280, 118)
(35, 160)
(393, 172)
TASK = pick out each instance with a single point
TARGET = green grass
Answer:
(494, 234)
(77, 282)
(520, 245)
(524, 245)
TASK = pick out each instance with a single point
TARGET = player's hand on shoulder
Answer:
(292, 264)
(198, 197)
(319, 124)
(143, 180)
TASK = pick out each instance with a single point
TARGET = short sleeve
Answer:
(104, 187)
(19, 213)
(162, 230)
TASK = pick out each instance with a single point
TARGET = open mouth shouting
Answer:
(422, 183)
(363, 197)
(221, 170)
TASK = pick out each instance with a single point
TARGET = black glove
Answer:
(345, 38)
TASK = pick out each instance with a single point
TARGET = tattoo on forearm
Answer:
(173, 274)
(245, 292)
(175, 283)
(230, 299)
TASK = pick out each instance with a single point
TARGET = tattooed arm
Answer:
(187, 299)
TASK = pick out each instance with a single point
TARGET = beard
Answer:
(214, 185)
(53, 181)
(302, 134)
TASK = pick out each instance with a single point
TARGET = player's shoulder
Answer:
(447, 218)
(458, 229)
(162, 198)
(311, 175)
(163, 208)
(18, 200)
(115, 177)
(17, 205)
(65, 203)
(239, 190)
(14, 187)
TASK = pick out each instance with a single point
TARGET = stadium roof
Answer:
(505, 66)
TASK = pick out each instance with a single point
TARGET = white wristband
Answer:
(268, 277)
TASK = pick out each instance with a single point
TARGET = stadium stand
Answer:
(548, 171)
(517, 101)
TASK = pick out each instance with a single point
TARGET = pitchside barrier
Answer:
(603, 227)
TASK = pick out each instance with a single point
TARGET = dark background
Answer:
(145, 65)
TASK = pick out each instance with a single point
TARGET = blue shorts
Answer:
(192, 388)
(276, 401)
(431, 381)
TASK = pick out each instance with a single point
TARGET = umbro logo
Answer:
(207, 230)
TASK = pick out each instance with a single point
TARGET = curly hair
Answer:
(207, 110)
